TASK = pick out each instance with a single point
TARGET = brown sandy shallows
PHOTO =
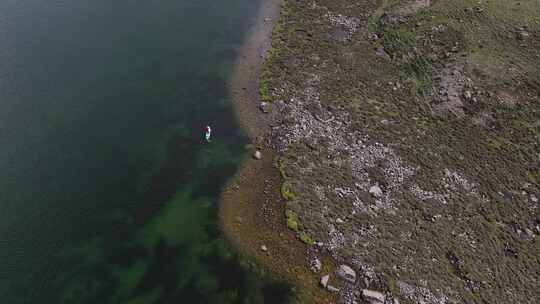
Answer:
(252, 209)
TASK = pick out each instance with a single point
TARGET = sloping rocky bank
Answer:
(407, 136)
(252, 207)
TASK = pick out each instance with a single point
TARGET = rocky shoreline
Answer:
(406, 138)
(408, 141)
(252, 208)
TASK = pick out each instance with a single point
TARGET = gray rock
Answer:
(316, 265)
(332, 288)
(382, 53)
(376, 191)
(265, 107)
(467, 95)
(523, 35)
(324, 280)
(257, 155)
(374, 297)
(346, 273)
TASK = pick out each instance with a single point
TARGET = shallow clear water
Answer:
(108, 194)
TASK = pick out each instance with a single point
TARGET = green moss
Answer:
(534, 177)
(536, 247)
(524, 127)
(356, 104)
(267, 74)
(269, 108)
(304, 237)
(391, 282)
(420, 72)
(379, 12)
(495, 143)
(425, 123)
(286, 192)
(398, 41)
(292, 220)
(292, 224)
(281, 167)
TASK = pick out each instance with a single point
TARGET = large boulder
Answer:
(346, 273)
(373, 297)
(324, 280)
(376, 191)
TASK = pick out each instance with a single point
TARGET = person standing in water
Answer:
(207, 133)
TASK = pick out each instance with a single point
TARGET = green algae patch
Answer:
(128, 278)
(304, 237)
(286, 192)
(267, 74)
(292, 220)
(148, 297)
(178, 222)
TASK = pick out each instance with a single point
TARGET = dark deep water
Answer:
(107, 193)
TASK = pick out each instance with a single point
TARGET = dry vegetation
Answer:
(409, 138)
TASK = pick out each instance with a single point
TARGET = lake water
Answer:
(107, 192)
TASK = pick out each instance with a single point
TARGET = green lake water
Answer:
(107, 192)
